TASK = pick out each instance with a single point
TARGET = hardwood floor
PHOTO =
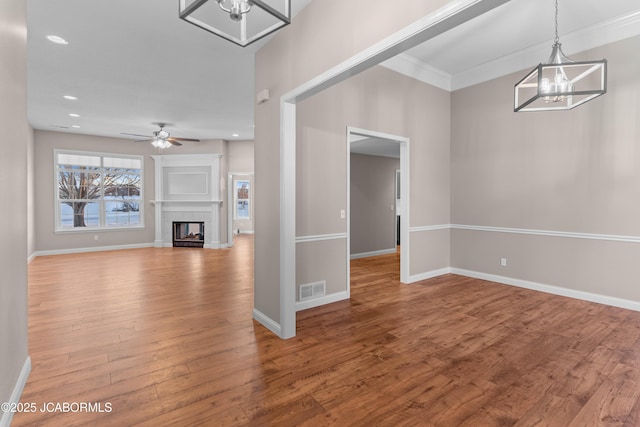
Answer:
(165, 337)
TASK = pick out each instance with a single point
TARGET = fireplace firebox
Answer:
(188, 234)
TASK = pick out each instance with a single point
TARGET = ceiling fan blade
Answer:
(143, 140)
(172, 140)
(184, 139)
(135, 134)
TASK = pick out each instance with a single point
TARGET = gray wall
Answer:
(373, 222)
(295, 55)
(46, 141)
(569, 171)
(241, 157)
(576, 171)
(13, 193)
(384, 101)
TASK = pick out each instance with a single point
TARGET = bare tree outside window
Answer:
(93, 191)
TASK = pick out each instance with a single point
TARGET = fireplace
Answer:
(188, 234)
(187, 190)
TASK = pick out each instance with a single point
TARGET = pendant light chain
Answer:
(557, 39)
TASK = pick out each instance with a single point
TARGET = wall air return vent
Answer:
(311, 290)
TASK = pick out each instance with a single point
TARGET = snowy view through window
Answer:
(98, 191)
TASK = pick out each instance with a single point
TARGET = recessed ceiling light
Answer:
(75, 126)
(235, 134)
(72, 98)
(57, 40)
(74, 115)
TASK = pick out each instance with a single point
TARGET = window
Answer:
(242, 200)
(98, 191)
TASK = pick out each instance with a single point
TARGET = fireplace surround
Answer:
(187, 189)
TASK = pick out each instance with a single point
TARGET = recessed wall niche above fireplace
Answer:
(187, 190)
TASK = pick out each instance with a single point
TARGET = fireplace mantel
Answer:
(187, 188)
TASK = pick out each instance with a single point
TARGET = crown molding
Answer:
(414, 68)
(601, 34)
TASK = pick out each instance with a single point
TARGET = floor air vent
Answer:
(311, 290)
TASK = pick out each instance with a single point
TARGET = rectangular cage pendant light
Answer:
(560, 83)
(240, 21)
(564, 86)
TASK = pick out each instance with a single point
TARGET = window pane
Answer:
(78, 159)
(242, 189)
(79, 214)
(242, 209)
(92, 214)
(66, 215)
(98, 191)
(124, 212)
(122, 163)
(78, 185)
(122, 185)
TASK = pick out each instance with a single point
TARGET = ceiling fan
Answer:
(161, 138)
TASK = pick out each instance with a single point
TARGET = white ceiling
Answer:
(374, 146)
(132, 63)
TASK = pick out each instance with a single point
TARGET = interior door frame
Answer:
(404, 201)
(439, 21)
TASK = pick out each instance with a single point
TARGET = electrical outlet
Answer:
(96, 237)
(503, 262)
(342, 214)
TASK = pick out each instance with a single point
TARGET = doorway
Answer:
(240, 206)
(394, 205)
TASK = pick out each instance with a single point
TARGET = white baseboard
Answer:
(429, 274)
(550, 289)
(374, 253)
(267, 322)
(317, 302)
(91, 249)
(5, 421)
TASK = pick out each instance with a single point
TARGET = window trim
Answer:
(101, 227)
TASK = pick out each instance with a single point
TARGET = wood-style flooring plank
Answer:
(166, 337)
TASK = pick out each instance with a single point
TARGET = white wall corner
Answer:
(267, 322)
(5, 421)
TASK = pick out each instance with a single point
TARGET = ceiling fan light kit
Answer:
(560, 83)
(161, 138)
(240, 21)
